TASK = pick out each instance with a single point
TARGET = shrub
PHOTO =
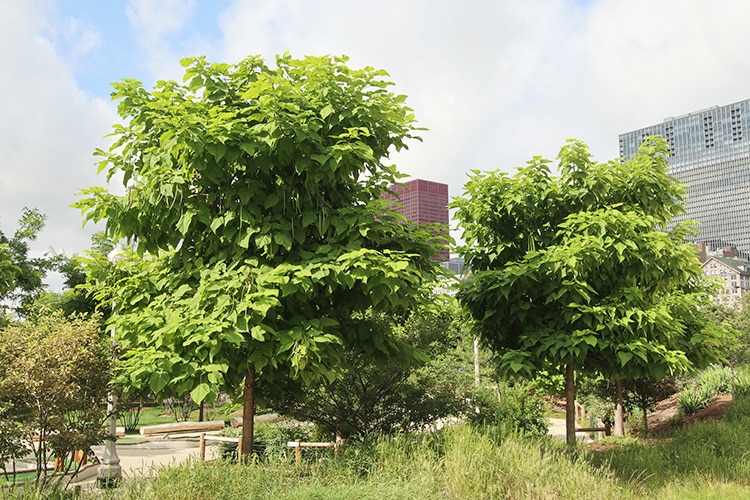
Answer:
(515, 407)
(694, 399)
(270, 439)
(53, 381)
(715, 380)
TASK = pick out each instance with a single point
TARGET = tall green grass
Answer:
(704, 460)
(710, 456)
(698, 390)
(457, 463)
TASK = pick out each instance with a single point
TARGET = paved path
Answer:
(557, 428)
(146, 459)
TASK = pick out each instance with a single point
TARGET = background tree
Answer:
(54, 373)
(391, 394)
(20, 274)
(253, 200)
(735, 323)
(577, 270)
(77, 297)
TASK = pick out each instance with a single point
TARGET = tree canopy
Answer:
(20, 274)
(253, 200)
(579, 270)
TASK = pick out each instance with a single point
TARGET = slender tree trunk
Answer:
(248, 414)
(619, 429)
(570, 406)
(476, 361)
(644, 410)
(200, 411)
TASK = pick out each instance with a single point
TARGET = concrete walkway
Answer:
(557, 428)
(145, 459)
(141, 459)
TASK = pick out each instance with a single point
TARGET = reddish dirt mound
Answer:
(658, 421)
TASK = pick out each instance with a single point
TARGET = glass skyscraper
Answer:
(710, 154)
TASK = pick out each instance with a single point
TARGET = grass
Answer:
(708, 459)
(703, 461)
(460, 462)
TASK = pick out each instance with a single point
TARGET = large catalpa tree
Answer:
(576, 271)
(253, 202)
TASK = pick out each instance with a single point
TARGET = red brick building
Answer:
(424, 202)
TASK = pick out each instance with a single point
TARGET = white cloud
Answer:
(48, 132)
(495, 82)
(499, 82)
(81, 36)
(156, 24)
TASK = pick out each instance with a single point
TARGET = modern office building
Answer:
(423, 202)
(710, 154)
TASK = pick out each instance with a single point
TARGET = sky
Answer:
(495, 82)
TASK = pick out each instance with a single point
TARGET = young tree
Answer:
(253, 199)
(54, 372)
(577, 270)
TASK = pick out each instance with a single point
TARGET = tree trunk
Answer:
(644, 410)
(570, 406)
(248, 415)
(476, 361)
(619, 429)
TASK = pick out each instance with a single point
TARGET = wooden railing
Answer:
(297, 445)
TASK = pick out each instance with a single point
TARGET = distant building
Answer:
(710, 153)
(423, 202)
(733, 273)
(457, 265)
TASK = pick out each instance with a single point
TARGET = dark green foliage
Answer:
(514, 407)
(271, 441)
(377, 394)
(597, 395)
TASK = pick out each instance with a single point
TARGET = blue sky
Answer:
(495, 81)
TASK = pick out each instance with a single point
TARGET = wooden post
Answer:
(298, 451)
(570, 408)
(239, 448)
(339, 444)
(203, 447)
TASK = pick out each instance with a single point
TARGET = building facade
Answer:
(710, 154)
(423, 202)
(733, 275)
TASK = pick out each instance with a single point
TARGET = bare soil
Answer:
(659, 420)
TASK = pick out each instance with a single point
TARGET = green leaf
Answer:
(158, 381)
(326, 111)
(624, 357)
(199, 393)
